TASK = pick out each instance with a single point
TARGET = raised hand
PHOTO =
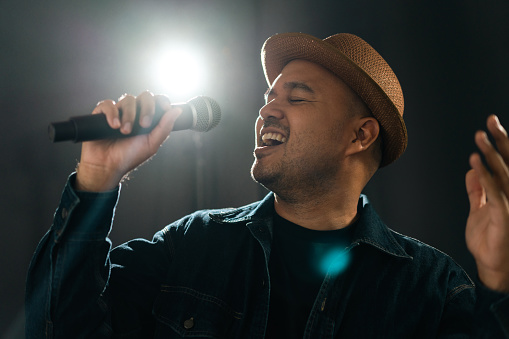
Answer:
(487, 231)
(104, 163)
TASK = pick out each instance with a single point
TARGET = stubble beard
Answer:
(293, 181)
(267, 177)
(293, 178)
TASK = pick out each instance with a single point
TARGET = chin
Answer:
(262, 175)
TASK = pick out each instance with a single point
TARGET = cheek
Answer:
(320, 136)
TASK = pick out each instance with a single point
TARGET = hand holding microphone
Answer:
(199, 114)
(127, 133)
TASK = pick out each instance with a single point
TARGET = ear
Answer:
(366, 132)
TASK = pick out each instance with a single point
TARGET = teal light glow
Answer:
(335, 261)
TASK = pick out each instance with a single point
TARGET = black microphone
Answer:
(198, 114)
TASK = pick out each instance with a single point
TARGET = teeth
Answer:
(274, 136)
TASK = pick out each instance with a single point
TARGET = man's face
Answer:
(303, 129)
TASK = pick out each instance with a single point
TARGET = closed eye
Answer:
(296, 100)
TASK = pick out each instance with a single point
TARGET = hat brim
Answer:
(280, 49)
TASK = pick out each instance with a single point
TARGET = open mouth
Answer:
(273, 139)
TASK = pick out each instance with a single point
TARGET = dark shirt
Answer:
(299, 260)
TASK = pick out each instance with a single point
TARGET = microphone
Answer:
(199, 114)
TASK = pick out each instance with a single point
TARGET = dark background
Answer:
(58, 58)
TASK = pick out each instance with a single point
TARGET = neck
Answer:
(324, 212)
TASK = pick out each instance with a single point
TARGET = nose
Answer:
(272, 109)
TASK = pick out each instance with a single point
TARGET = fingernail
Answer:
(176, 110)
(127, 127)
(146, 121)
(485, 138)
(497, 121)
(116, 123)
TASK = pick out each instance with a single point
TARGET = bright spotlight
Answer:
(179, 72)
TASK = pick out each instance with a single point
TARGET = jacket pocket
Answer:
(192, 314)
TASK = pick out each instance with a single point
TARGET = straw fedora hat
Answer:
(359, 66)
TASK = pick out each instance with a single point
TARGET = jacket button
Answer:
(323, 304)
(189, 323)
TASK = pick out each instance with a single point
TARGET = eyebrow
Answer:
(291, 86)
(299, 85)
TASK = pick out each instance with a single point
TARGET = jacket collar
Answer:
(256, 211)
(370, 229)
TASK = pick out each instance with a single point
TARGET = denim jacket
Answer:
(206, 276)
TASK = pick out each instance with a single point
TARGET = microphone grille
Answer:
(208, 113)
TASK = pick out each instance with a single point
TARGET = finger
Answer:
(476, 193)
(146, 106)
(493, 194)
(163, 105)
(494, 160)
(162, 102)
(161, 132)
(127, 108)
(108, 108)
(500, 135)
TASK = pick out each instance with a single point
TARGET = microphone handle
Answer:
(96, 127)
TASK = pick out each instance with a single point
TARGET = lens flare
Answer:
(335, 261)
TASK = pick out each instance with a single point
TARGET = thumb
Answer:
(161, 132)
(475, 191)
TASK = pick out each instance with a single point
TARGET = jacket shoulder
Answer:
(433, 260)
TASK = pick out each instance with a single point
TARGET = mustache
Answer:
(273, 122)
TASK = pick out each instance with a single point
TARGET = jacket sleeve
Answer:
(491, 313)
(77, 287)
(474, 311)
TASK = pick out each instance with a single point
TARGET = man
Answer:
(311, 260)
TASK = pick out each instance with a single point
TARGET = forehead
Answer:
(310, 74)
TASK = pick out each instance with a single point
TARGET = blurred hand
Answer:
(487, 231)
(104, 163)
